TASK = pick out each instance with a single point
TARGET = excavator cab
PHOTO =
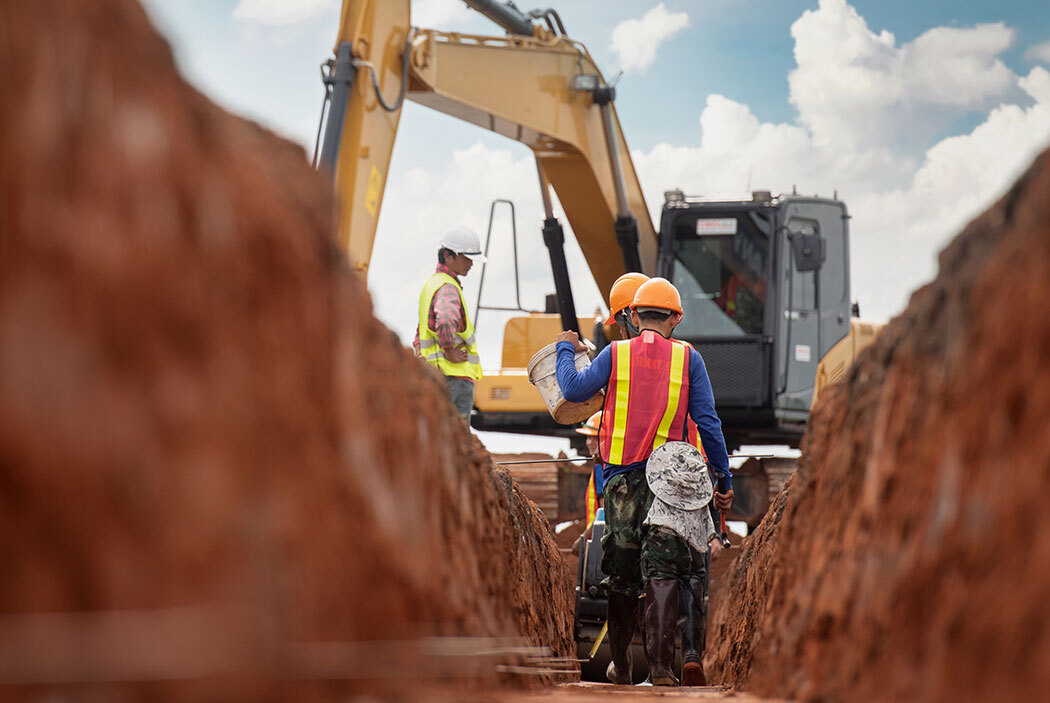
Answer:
(765, 289)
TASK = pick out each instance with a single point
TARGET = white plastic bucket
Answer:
(542, 375)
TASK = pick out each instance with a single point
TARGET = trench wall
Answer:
(909, 557)
(219, 474)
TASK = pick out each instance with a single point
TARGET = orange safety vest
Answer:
(647, 400)
(591, 500)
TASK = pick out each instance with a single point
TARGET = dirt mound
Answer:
(910, 557)
(538, 479)
(215, 465)
(558, 487)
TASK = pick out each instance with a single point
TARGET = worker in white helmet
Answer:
(445, 334)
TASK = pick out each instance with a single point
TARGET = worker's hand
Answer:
(572, 338)
(575, 547)
(724, 501)
(715, 546)
(457, 355)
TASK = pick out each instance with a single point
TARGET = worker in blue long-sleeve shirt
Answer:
(653, 384)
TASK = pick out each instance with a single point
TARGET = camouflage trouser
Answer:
(628, 547)
(665, 555)
(627, 501)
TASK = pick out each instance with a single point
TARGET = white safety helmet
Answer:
(463, 240)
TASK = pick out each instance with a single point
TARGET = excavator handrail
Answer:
(478, 307)
(515, 40)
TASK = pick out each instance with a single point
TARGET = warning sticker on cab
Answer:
(715, 225)
(375, 180)
(802, 353)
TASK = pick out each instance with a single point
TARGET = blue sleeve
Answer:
(702, 410)
(599, 479)
(578, 386)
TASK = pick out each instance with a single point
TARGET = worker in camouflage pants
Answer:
(692, 593)
(653, 385)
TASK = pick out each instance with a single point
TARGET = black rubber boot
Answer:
(661, 622)
(692, 620)
(648, 680)
(622, 615)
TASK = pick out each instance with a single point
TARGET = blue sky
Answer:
(741, 49)
(919, 114)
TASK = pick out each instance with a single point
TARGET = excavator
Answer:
(764, 278)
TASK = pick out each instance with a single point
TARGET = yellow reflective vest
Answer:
(428, 344)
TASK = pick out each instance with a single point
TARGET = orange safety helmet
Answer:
(622, 293)
(590, 428)
(657, 293)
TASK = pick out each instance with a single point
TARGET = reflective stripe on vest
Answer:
(592, 500)
(647, 401)
(428, 344)
(621, 399)
(692, 432)
(674, 393)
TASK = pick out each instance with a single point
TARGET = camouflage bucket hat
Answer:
(678, 475)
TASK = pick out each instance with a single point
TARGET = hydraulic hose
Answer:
(405, 58)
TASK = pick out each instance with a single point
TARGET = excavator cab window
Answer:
(721, 271)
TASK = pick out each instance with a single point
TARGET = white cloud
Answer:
(954, 66)
(635, 41)
(904, 211)
(436, 14)
(1039, 52)
(1037, 85)
(853, 86)
(737, 152)
(277, 12)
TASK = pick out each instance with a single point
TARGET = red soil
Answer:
(909, 558)
(212, 456)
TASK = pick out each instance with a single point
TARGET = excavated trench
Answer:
(222, 478)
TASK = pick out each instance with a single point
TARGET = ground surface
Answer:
(598, 693)
(587, 692)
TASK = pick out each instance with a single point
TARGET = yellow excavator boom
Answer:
(538, 90)
(371, 41)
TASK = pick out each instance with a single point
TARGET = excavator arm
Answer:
(361, 124)
(542, 90)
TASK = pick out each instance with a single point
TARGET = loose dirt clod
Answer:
(909, 558)
(219, 474)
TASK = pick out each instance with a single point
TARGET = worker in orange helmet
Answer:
(653, 385)
(692, 594)
(621, 295)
